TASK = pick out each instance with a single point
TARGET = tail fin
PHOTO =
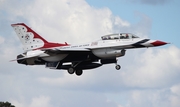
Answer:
(30, 39)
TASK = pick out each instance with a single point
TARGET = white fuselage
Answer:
(101, 48)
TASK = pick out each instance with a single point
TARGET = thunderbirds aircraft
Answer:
(76, 58)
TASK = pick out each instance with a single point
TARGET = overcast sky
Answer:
(148, 78)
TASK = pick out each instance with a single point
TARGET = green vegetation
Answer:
(6, 104)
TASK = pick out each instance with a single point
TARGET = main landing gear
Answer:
(78, 72)
(71, 70)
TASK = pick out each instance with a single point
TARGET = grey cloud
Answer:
(59, 21)
(146, 69)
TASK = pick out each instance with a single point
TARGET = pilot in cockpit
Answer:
(127, 36)
(124, 36)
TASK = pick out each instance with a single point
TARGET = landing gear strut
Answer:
(118, 67)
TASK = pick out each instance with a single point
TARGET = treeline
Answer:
(6, 104)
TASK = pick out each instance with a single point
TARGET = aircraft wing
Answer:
(66, 50)
(23, 57)
(72, 49)
(30, 54)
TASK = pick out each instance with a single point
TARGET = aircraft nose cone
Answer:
(159, 43)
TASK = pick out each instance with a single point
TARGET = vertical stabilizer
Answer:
(30, 39)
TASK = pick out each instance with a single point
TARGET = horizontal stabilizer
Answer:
(29, 54)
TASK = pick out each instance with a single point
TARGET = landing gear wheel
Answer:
(71, 70)
(118, 67)
(79, 72)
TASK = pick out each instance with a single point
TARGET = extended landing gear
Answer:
(79, 72)
(118, 67)
(71, 70)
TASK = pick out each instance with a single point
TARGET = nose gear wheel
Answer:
(118, 67)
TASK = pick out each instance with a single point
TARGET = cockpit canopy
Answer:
(119, 36)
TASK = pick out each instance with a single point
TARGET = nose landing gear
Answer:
(118, 67)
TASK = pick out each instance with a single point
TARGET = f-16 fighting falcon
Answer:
(79, 57)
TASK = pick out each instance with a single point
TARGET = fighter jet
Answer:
(78, 57)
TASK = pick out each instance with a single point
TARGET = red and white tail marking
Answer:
(30, 39)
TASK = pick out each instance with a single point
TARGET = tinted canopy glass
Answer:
(119, 36)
